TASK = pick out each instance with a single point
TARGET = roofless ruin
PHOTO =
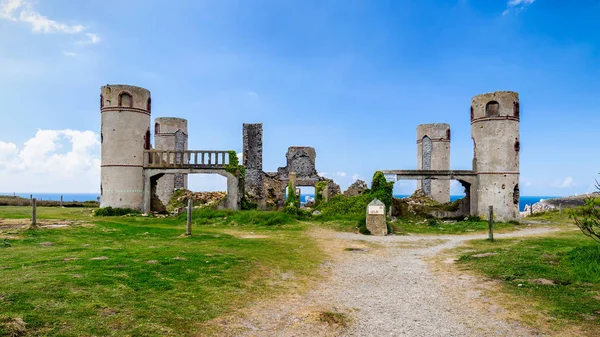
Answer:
(134, 174)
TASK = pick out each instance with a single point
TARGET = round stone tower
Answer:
(170, 133)
(495, 133)
(125, 134)
(433, 153)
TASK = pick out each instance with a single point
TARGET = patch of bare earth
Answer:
(380, 286)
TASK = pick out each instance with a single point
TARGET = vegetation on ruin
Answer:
(319, 188)
(139, 276)
(552, 280)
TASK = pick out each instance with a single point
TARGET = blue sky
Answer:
(351, 78)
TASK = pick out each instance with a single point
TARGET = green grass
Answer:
(404, 226)
(568, 259)
(60, 290)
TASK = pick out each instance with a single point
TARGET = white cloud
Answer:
(322, 174)
(240, 156)
(8, 7)
(23, 11)
(69, 53)
(90, 38)
(52, 161)
(341, 174)
(516, 5)
(568, 182)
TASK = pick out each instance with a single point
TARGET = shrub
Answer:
(362, 227)
(109, 211)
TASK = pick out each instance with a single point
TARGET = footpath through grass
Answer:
(556, 278)
(138, 276)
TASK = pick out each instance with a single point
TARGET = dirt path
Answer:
(381, 286)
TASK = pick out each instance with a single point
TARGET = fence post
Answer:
(33, 212)
(188, 229)
(491, 224)
(559, 209)
(531, 209)
(61, 199)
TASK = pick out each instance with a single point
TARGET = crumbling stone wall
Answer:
(357, 188)
(267, 189)
(252, 160)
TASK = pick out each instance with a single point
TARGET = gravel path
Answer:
(386, 289)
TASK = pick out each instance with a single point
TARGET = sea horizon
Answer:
(524, 200)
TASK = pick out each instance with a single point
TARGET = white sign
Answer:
(376, 209)
(390, 177)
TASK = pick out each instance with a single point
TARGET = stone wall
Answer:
(252, 160)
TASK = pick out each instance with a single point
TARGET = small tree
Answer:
(587, 217)
(382, 189)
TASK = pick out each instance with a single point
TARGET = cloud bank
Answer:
(65, 161)
(23, 11)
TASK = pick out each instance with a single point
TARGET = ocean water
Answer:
(56, 196)
(525, 200)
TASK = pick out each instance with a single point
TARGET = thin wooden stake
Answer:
(491, 224)
(61, 199)
(560, 209)
(188, 229)
(33, 212)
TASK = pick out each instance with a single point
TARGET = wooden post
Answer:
(33, 212)
(491, 224)
(188, 229)
(31, 199)
(531, 209)
(559, 209)
(61, 199)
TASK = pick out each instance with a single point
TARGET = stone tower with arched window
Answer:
(125, 134)
(170, 133)
(495, 133)
(433, 153)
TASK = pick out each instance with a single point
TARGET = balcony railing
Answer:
(185, 159)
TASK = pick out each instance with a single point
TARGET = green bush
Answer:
(252, 217)
(292, 198)
(109, 211)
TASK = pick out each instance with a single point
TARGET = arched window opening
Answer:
(492, 109)
(472, 113)
(516, 195)
(101, 137)
(125, 100)
(156, 128)
(516, 109)
(149, 105)
(147, 140)
(101, 101)
(448, 134)
(517, 145)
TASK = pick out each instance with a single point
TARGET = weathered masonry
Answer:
(267, 189)
(133, 174)
(494, 179)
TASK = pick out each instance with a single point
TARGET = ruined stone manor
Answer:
(137, 175)
(494, 178)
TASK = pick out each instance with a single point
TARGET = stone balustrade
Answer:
(186, 159)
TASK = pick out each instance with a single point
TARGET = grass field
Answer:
(554, 280)
(139, 276)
